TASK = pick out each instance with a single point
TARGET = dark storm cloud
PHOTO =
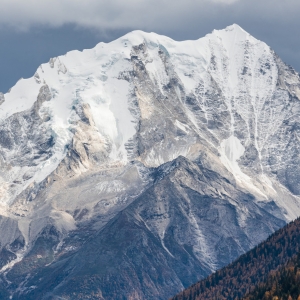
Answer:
(33, 31)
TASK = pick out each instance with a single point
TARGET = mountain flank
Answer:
(267, 271)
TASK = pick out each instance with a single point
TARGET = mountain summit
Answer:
(146, 163)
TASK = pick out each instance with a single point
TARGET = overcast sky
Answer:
(32, 31)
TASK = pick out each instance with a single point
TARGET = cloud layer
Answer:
(101, 14)
(111, 14)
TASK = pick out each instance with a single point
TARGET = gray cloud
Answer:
(101, 14)
(151, 14)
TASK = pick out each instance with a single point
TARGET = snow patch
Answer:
(182, 126)
(231, 151)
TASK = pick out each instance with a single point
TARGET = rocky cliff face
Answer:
(136, 168)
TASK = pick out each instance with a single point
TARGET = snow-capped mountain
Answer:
(145, 162)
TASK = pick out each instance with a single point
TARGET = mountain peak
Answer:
(235, 27)
(233, 33)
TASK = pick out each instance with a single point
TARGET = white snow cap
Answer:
(92, 76)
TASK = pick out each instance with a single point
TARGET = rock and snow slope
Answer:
(93, 134)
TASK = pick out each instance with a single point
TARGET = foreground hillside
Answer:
(270, 269)
(281, 284)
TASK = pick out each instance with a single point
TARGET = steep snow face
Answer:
(90, 77)
(244, 71)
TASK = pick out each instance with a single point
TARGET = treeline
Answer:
(250, 270)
